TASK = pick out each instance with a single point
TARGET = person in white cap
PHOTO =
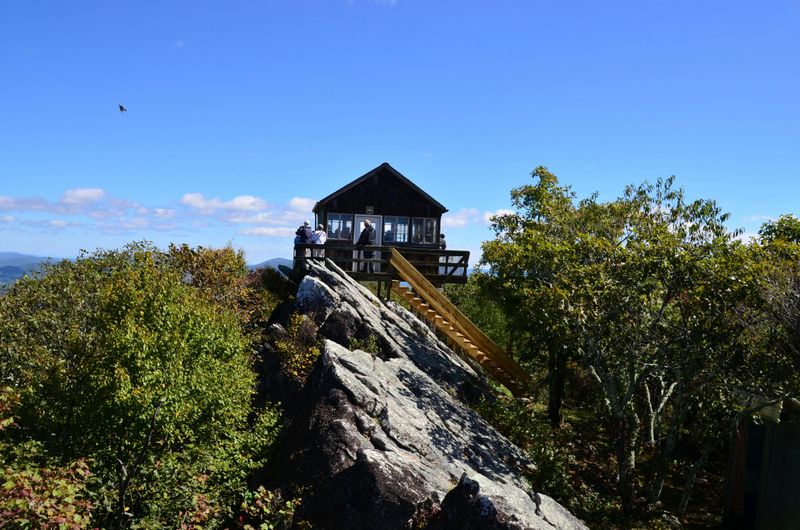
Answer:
(303, 236)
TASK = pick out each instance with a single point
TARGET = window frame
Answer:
(396, 223)
(341, 218)
(422, 238)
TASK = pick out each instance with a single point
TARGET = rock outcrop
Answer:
(384, 439)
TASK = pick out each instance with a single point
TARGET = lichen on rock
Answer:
(379, 437)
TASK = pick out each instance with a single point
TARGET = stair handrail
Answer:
(444, 307)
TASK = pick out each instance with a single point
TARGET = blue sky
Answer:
(241, 114)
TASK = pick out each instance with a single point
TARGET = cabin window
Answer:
(395, 229)
(340, 226)
(423, 230)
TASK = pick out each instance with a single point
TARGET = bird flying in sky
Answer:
(122, 109)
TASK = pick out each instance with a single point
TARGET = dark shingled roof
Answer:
(385, 166)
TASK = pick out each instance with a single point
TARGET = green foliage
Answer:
(267, 510)
(644, 292)
(477, 299)
(369, 345)
(137, 361)
(34, 496)
(786, 228)
(300, 349)
(552, 451)
(772, 366)
(37, 494)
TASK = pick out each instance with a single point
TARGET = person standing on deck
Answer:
(367, 238)
(319, 237)
(303, 236)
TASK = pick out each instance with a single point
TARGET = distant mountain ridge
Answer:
(14, 265)
(273, 263)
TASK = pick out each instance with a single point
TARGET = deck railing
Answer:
(438, 266)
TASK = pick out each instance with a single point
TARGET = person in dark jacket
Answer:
(367, 238)
(303, 236)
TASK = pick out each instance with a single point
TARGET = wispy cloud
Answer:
(758, 218)
(270, 231)
(73, 201)
(82, 196)
(242, 203)
(471, 216)
(463, 217)
(302, 204)
(180, 43)
(487, 216)
(94, 209)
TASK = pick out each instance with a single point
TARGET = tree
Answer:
(118, 359)
(641, 291)
(526, 287)
(785, 228)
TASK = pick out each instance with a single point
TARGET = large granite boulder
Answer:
(384, 439)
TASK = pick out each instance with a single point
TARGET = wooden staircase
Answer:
(436, 309)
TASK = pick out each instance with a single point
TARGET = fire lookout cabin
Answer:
(404, 217)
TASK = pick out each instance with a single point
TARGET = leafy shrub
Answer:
(268, 288)
(369, 345)
(552, 452)
(45, 497)
(34, 495)
(136, 361)
(300, 350)
(267, 510)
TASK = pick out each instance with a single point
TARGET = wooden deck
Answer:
(415, 274)
(438, 266)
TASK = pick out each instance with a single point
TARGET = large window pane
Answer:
(340, 226)
(395, 229)
(423, 230)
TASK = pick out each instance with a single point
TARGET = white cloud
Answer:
(197, 201)
(302, 204)
(82, 196)
(487, 216)
(242, 203)
(258, 218)
(746, 237)
(272, 231)
(164, 213)
(57, 223)
(463, 217)
(758, 218)
(246, 203)
(7, 219)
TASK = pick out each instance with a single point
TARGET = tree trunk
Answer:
(627, 438)
(689, 485)
(664, 456)
(557, 380)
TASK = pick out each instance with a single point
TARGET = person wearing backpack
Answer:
(303, 236)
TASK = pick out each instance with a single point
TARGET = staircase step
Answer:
(459, 331)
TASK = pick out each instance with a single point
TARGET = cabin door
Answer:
(377, 223)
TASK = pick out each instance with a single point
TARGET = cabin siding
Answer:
(385, 193)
